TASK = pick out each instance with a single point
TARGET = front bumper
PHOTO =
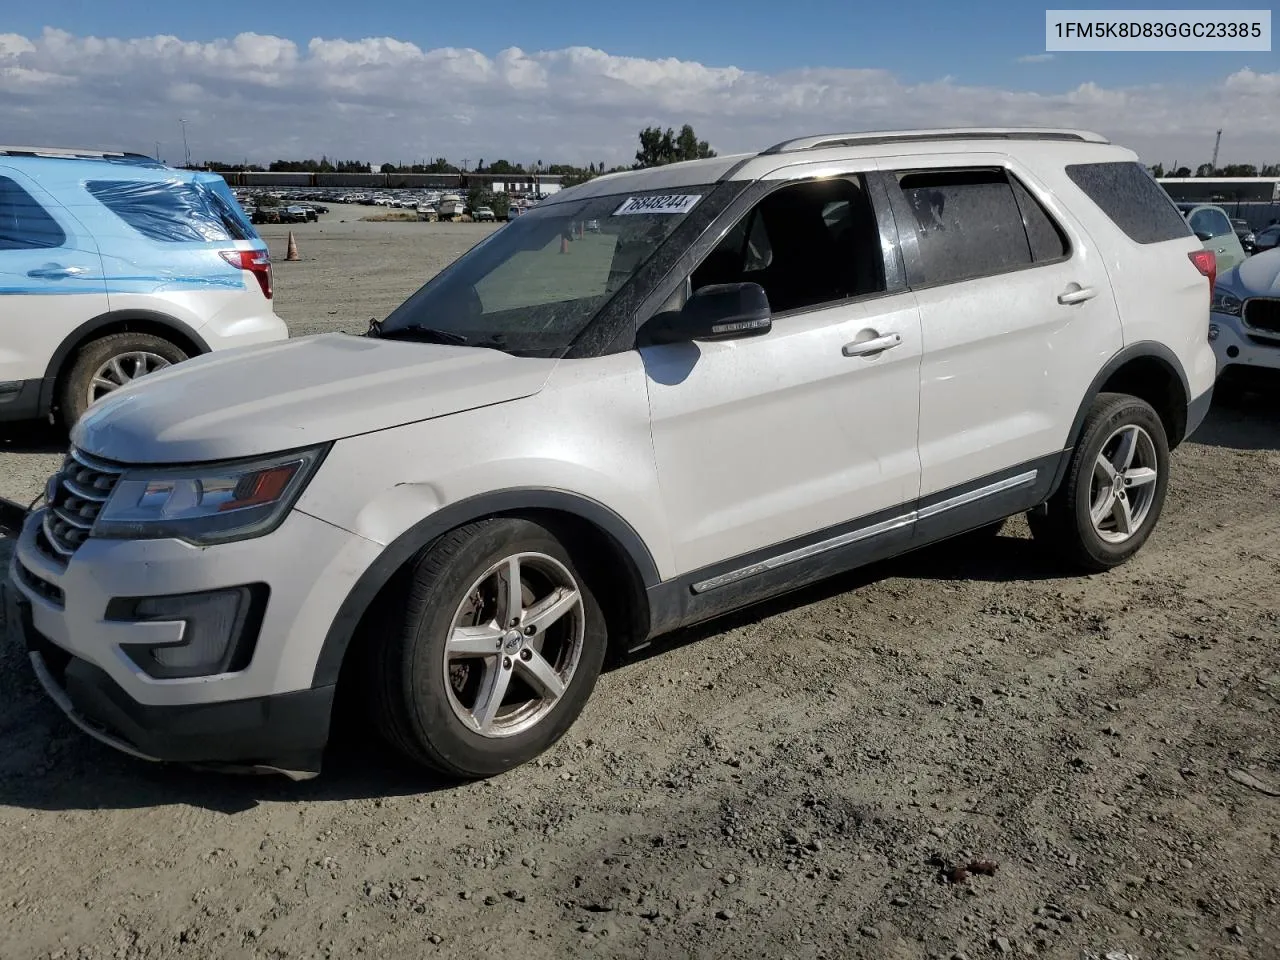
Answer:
(1240, 346)
(286, 733)
(268, 715)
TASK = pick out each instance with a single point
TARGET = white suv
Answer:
(113, 266)
(762, 370)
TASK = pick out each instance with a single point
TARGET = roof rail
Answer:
(77, 154)
(947, 133)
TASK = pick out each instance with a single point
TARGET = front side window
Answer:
(1214, 223)
(24, 224)
(808, 245)
(534, 284)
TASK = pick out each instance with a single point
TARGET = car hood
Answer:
(293, 393)
(1259, 276)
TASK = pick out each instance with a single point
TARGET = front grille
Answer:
(75, 496)
(1263, 313)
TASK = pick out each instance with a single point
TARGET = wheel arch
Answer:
(1148, 370)
(585, 524)
(114, 321)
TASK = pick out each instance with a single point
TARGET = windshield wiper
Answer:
(415, 331)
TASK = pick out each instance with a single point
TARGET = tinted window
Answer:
(172, 211)
(24, 224)
(1045, 237)
(1212, 222)
(968, 223)
(1128, 194)
(808, 244)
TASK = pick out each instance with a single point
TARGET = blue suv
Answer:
(113, 266)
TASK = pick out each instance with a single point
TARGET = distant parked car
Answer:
(483, 214)
(1213, 228)
(1244, 322)
(1268, 238)
(1245, 234)
(294, 214)
(592, 226)
(312, 214)
(266, 215)
(114, 266)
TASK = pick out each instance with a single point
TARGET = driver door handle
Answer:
(1077, 296)
(861, 348)
(54, 271)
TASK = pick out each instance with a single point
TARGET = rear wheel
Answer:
(105, 365)
(492, 652)
(1115, 487)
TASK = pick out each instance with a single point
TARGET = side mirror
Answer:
(1203, 236)
(723, 311)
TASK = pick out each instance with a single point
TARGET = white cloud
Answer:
(1036, 58)
(265, 97)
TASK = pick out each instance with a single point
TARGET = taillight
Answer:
(257, 262)
(1207, 263)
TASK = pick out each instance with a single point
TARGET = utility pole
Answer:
(157, 151)
(186, 151)
(1216, 143)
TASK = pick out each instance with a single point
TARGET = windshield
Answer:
(533, 285)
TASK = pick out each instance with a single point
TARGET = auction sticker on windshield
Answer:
(668, 204)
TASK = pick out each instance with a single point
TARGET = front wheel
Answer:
(1115, 487)
(492, 652)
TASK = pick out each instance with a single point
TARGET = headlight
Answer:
(211, 503)
(1224, 302)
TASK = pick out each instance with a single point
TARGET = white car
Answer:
(1245, 322)
(768, 368)
(113, 266)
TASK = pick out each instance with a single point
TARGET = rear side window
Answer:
(172, 211)
(1045, 237)
(968, 223)
(24, 224)
(1132, 199)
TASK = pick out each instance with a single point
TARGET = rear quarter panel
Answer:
(1160, 295)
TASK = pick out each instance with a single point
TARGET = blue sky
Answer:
(573, 80)
(975, 42)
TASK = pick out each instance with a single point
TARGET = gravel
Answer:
(792, 781)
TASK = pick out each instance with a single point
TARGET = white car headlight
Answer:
(1226, 303)
(209, 503)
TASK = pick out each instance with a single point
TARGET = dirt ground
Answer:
(796, 781)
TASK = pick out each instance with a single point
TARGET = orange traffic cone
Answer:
(292, 253)
(564, 243)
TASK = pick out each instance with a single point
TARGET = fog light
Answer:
(214, 636)
(1213, 332)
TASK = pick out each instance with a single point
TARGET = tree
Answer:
(1158, 171)
(484, 197)
(659, 147)
(1205, 170)
(388, 168)
(1182, 172)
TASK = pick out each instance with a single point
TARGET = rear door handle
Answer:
(1077, 296)
(860, 348)
(54, 271)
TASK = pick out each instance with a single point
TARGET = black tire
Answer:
(1065, 525)
(416, 697)
(74, 398)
